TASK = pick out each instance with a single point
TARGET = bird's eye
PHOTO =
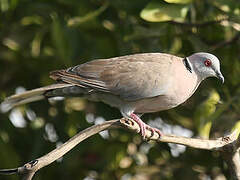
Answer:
(207, 62)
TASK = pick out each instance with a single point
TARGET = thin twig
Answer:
(207, 144)
(226, 42)
(198, 25)
(222, 144)
(29, 169)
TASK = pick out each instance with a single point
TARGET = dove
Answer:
(135, 84)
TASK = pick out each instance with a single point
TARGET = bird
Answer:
(135, 84)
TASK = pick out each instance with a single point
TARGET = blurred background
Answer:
(39, 36)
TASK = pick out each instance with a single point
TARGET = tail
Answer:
(29, 96)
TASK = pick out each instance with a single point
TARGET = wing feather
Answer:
(131, 77)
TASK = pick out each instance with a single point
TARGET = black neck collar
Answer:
(187, 64)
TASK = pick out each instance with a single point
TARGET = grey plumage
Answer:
(123, 76)
(138, 83)
(30, 96)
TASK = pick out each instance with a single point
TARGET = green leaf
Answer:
(224, 5)
(179, 1)
(203, 113)
(207, 112)
(236, 127)
(4, 4)
(36, 44)
(159, 12)
(75, 21)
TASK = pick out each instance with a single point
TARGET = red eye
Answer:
(207, 62)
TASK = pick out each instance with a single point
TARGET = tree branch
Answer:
(198, 25)
(230, 154)
(29, 169)
(226, 42)
(229, 146)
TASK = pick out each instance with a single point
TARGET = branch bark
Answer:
(228, 146)
(231, 155)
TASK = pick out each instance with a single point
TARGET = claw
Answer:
(153, 130)
(144, 126)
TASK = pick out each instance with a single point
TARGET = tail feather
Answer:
(29, 96)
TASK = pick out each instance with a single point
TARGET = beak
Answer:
(220, 77)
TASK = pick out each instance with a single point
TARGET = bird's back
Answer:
(131, 77)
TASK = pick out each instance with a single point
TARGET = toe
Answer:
(153, 130)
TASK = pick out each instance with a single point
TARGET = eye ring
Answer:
(208, 62)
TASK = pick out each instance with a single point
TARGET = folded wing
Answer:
(131, 77)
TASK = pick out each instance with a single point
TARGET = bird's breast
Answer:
(180, 88)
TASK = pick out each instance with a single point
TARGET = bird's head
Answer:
(205, 65)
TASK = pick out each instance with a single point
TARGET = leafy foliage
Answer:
(39, 36)
(157, 11)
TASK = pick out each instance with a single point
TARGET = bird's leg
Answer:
(144, 126)
(141, 124)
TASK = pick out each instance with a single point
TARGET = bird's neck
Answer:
(187, 64)
(192, 69)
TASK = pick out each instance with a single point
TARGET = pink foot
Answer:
(144, 126)
(141, 124)
(153, 130)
